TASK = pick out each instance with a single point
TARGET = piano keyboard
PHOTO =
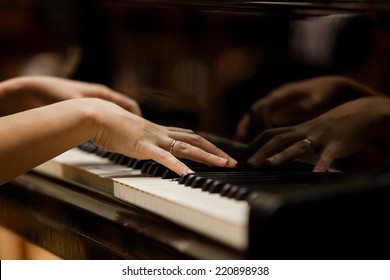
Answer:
(222, 219)
(212, 201)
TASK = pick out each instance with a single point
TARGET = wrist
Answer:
(97, 114)
(92, 113)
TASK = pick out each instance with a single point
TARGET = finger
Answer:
(296, 151)
(261, 118)
(325, 161)
(275, 145)
(188, 151)
(265, 137)
(132, 106)
(168, 160)
(122, 100)
(127, 103)
(242, 128)
(202, 144)
(180, 129)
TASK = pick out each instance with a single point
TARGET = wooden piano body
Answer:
(190, 62)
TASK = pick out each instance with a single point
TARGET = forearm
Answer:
(35, 136)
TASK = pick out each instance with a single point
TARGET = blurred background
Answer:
(195, 64)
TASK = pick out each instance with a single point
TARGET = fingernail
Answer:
(223, 160)
(252, 161)
(232, 162)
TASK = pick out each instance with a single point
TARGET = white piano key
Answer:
(218, 217)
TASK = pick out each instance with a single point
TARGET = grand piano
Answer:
(200, 64)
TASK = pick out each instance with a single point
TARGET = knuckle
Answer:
(195, 138)
(184, 148)
(102, 90)
(267, 134)
(280, 138)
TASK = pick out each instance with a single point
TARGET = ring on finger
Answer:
(307, 141)
(172, 146)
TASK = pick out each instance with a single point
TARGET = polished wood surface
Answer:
(76, 222)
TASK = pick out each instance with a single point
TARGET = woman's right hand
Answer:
(129, 134)
(37, 135)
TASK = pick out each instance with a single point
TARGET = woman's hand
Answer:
(29, 92)
(136, 137)
(337, 133)
(34, 136)
(297, 102)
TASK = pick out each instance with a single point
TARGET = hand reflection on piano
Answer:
(349, 128)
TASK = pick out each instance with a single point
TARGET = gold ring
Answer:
(171, 147)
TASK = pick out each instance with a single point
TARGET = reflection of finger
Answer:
(185, 150)
(275, 145)
(179, 129)
(326, 159)
(267, 135)
(242, 128)
(296, 151)
(264, 119)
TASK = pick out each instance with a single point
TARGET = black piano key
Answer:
(152, 169)
(138, 163)
(124, 160)
(214, 186)
(102, 152)
(233, 191)
(88, 147)
(169, 174)
(225, 189)
(113, 156)
(131, 162)
(158, 170)
(145, 166)
(183, 179)
(197, 182)
(236, 183)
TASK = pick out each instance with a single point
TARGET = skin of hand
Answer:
(37, 135)
(27, 92)
(298, 102)
(342, 131)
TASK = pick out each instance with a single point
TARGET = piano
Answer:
(189, 62)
